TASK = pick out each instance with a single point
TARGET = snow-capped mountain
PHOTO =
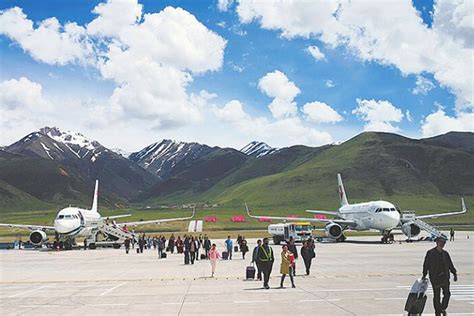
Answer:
(121, 152)
(161, 157)
(87, 157)
(258, 149)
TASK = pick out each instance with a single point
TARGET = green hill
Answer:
(412, 173)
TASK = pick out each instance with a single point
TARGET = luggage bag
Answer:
(163, 255)
(236, 248)
(416, 300)
(225, 255)
(250, 273)
(203, 256)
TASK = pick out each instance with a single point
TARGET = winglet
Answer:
(463, 204)
(96, 194)
(248, 210)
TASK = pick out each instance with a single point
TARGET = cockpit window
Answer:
(393, 210)
(60, 216)
(377, 210)
(386, 210)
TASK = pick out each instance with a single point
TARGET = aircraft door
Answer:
(82, 218)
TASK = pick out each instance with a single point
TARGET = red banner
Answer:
(264, 219)
(210, 219)
(319, 216)
(238, 219)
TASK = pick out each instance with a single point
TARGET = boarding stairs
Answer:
(114, 233)
(428, 228)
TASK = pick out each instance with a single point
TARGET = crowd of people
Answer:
(200, 247)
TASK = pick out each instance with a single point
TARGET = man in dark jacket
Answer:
(207, 246)
(438, 265)
(307, 253)
(266, 259)
(255, 259)
(292, 248)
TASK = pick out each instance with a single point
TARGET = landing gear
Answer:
(342, 238)
(117, 246)
(387, 238)
(92, 246)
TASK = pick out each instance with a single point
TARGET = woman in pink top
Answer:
(214, 255)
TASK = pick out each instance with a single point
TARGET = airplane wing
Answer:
(158, 221)
(30, 227)
(117, 216)
(463, 210)
(301, 219)
(323, 212)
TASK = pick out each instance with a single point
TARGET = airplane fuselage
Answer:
(378, 215)
(72, 221)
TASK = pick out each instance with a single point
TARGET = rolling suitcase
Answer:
(138, 250)
(203, 256)
(225, 255)
(236, 248)
(416, 300)
(250, 273)
(163, 255)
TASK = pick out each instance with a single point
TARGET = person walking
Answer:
(256, 261)
(266, 259)
(214, 255)
(207, 246)
(171, 243)
(287, 260)
(198, 245)
(438, 265)
(192, 249)
(292, 248)
(244, 248)
(141, 243)
(229, 245)
(307, 253)
(127, 245)
(161, 246)
(187, 246)
(451, 234)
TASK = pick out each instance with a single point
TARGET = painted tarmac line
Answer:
(111, 304)
(36, 306)
(389, 298)
(111, 289)
(30, 291)
(250, 302)
(321, 300)
(355, 290)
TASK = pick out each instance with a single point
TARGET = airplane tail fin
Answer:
(342, 192)
(96, 195)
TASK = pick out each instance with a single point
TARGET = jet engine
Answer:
(333, 230)
(410, 229)
(38, 237)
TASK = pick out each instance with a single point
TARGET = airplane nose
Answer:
(63, 227)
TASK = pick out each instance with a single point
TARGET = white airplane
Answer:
(73, 222)
(374, 215)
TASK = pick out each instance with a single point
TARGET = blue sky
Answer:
(252, 50)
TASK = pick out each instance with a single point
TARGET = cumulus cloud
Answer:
(315, 52)
(277, 85)
(329, 84)
(151, 57)
(378, 115)
(50, 42)
(385, 32)
(281, 132)
(224, 5)
(423, 85)
(439, 123)
(320, 112)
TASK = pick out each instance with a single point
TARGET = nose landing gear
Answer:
(387, 237)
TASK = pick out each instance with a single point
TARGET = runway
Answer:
(347, 279)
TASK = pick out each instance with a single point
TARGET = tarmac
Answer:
(359, 277)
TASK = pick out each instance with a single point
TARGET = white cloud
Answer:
(50, 42)
(439, 123)
(423, 85)
(280, 132)
(277, 85)
(387, 32)
(315, 52)
(320, 112)
(224, 5)
(329, 83)
(378, 115)
(22, 93)
(114, 17)
(408, 116)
